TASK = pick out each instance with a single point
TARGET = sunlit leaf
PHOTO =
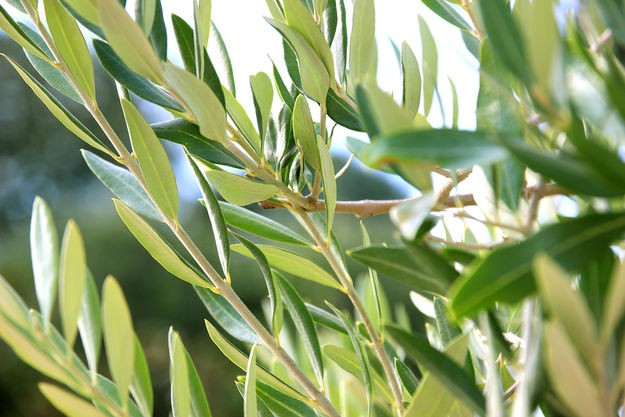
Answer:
(361, 40)
(69, 404)
(411, 77)
(262, 90)
(329, 183)
(90, 325)
(281, 404)
(179, 376)
(304, 132)
(446, 11)
(429, 59)
(239, 190)
(141, 384)
(241, 120)
(12, 29)
(250, 406)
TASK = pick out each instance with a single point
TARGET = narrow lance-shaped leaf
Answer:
(145, 12)
(179, 375)
(304, 325)
(90, 325)
(87, 9)
(505, 274)
(304, 132)
(225, 58)
(411, 76)
(446, 11)
(158, 35)
(429, 55)
(241, 120)
(262, 90)
(71, 45)
(119, 28)
(281, 404)
(44, 252)
(72, 278)
(122, 184)
(118, 333)
(361, 40)
(155, 166)
(441, 367)
(329, 183)
(250, 406)
(141, 384)
(69, 404)
(218, 223)
(12, 307)
(58, 110)
(157, 247)
(12, 29)
(239, 190)
(614, 306)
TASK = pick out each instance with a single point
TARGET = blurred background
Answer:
(39, 157)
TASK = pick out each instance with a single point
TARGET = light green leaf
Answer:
(441, 367)
(71, 45)
(259, 225)
(241, 360)
(119, 28)
(57, 109)
(179, 375)
(118, 333)
(86, 8)
(293, 264)
(227, 317)
(123, 184)
(250, 406)
(380, 113)
(141, 385)
(90, 325)
(69, 404)
(12, 29)
(222, 52)
(569, 375)
(299, 18)
(429, 58)
(199, 403)
(361, 40)
(262, 90)
(411, 77)
(505, 274)
(395, 262)
(44, 252)
(304, 325)
(239, 190)
(202, 18)
(72, 278)
(145, 11)
(329, 183)
(218, 223)
(241, 120)
(12, 307)
(446, 11)
(614, 305)
(565, 304)
(448, 148)
(155, 166)
(283, 405)
(209, 114)
(314, 76)
(157, 247)
(304, 132)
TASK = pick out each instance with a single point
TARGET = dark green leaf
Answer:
(326, 319)
(447, 330)
(158, 35)
(185, 40)
(505, 274)
(342, 112)
(441, 367)
(282, 89)
(406, 376)
(225, 58)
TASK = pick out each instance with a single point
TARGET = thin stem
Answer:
(345, 280)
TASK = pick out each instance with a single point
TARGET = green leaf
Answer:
(222, 51)
(59, 111)
(250, 406)
(141, 385)
(239, 190)
(361, 355)
(283, 90)
(446, 11)
(329, 183)
(614, 306)
(187, 134)
(179, 375)
(242, 121)
(429, 58)
(408, 379)
(299, 18)
(441, 367)
(259, 225)
(380, 113)
(262, 90)
(361, 40)
(445, 147)
(51, 74)
(565, 304)
(86, 9)
(199, 403)
(504, 35)
(293, 264)
(138, 55)
(12, 307)
(155, 166)
(158, 35)
(72, 278)
(342, 112)
(568, 374)
(227, 316)
(411, 77)
(505, 274)
(209, 114)
(218, 223)
(145, 11)
(71, 45)
(314, 76)
(12, 29)
(281, 404)
(304, 325)
(396, 263)
(67, 403)
(185, 41)
(240, 360)
(118, 333)
(304, 132)
(122, 184)
(44, 252)
(90, 325)
(447, 330)
(134, 82)
(157, 247)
